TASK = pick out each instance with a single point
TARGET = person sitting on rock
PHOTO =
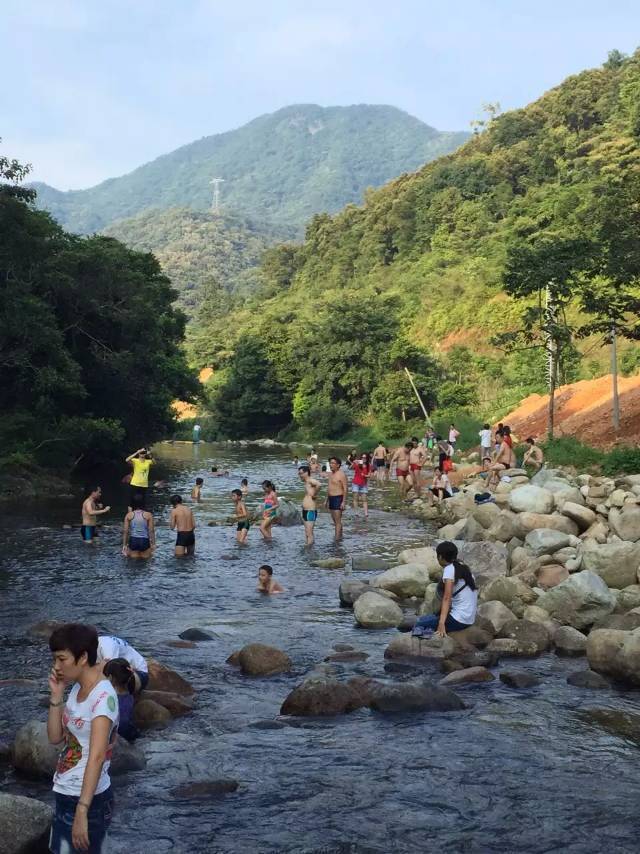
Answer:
(458, 593)
(111, 647)
(534, 455)
(122, 676)
(266, 582)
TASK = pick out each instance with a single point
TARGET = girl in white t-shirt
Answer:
(459, 595)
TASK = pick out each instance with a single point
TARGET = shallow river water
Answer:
(515, 772)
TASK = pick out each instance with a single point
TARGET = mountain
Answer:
(194, 247)
(415, 277)
(281, 167)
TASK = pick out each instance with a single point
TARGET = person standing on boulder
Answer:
(459, 595)
(87, 724)
(337, 493)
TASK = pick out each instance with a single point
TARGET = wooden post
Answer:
(614, 380)
(413, 386)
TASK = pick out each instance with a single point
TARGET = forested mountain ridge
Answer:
(281, 167)
(428, 262)
(196, 247)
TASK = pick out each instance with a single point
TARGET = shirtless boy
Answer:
(241, 516)
(182, 521)
(337, 493)
(417, 458)
(379, 460)
(402, 460)
(196, 492)
(533, 456)
(90, 509)
(266, 582)
(309, 503)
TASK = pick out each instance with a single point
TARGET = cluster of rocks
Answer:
(568, 559)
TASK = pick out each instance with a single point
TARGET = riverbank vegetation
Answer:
(444, 272)
(90, 343)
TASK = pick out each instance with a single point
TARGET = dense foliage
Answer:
(280, 168)
(443, 262)
(195, 248)
(90, 355)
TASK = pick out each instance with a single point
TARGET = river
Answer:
(517, 771)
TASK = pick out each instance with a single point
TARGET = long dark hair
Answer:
(121, 672)
(449, 551)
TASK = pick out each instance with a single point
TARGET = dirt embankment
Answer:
(583, 410)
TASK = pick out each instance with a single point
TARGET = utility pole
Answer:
(614, 379)
(422, 406)
(215, 202)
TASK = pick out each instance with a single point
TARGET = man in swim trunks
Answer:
(309, 503)
(417, 458)
(379, 461)
(241, 516)
(91, 509)
(337, 493)
(182, 521)
(403, 462)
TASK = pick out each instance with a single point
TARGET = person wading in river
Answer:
(138, 536)
(403, 462)
(270, 508)
(87, 724)
(379, 461)
(181, 520)
(337, 493)
(309, 503)
(91, 509)
(141, 462)
(241, 517)
(417, 458)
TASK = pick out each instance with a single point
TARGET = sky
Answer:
(94, 88)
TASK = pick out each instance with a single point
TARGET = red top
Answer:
(360, 474)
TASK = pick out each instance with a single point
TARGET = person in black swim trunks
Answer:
(337, 493)
(241, 516)
(309, 504)
(182, 521)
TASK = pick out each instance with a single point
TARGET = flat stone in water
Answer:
(621, 724)
(587, 679)
(205, 789)
(349, 655)
(518, 679)
(195, 635)
(362, 563)
(267, 724)
(342, 647)
(229, 557)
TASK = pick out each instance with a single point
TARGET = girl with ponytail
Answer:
(121, 675)
(458, 593)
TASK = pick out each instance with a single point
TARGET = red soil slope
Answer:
(583, 410)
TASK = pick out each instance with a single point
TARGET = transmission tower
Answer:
(215, 202)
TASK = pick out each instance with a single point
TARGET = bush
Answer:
(468, 425)
(326, 420)
(622, 460)
(567, 451)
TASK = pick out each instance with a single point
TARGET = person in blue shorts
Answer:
(309, 502)
(91, 508)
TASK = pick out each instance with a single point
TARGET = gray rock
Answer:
(569, 641)
(374, 563)
(628, 598)
(325, 697)
(546, 541)
(468, 675)
(373, 611)
(582, 516)
(505, 527)
(512, 592)
(25, 824)
(531, 498)
(408, 648)
(408, 579)
(486, 514)
(580, 601)
(487, 560)
(616, 563)
(127, 757)
(532, 638)
(414, 696)
(329, 563)
(587, 679)
(288, 513)
(350, 589)
(33, 756)
(623, 622)
(258, 659)
(615, 653)
(43, 629)
(195, 635)
(497, 613)
(553, 521)
(518, 679)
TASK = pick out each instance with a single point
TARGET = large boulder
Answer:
(406, 647)
(504, 527)
(288, 513)
(175, 704)
(579, 601)
(409, 579)
(582, 516)
(33, 755)
(467, 675)
(512, 592)
(546, 541)
(626, 522)
(628, 598)
(486, 514)
(615, 653)
(486, 560)
(414, 696)
(321, 696)
(532, 638)
(373, 611)
(616, 563)
(519, 679)
(163, 678)
(531, 498)
(350, 590)
(497, 613)
(550, 575)
(425, 556)
(569, 641)
(25, 824)
(554, 521)
(369, 563)
(258, 659)
(147, 714)
(587, 679)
